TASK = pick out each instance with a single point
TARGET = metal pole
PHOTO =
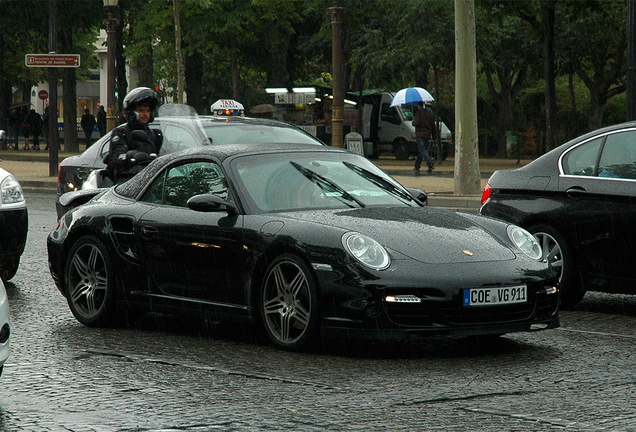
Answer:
(337, 106)
(111, 103)
(54, 137)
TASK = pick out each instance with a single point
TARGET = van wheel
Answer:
(401, 150)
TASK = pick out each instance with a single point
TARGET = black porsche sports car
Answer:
(579, 200)
(305, 241)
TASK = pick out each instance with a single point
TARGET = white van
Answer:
(386, 128)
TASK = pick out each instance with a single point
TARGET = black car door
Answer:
(600, 203)
(192, 254)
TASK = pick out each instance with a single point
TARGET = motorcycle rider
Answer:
(127, 155)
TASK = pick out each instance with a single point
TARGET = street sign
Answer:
(52, 60)
(43, 94)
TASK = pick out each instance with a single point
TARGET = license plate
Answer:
(495, 296)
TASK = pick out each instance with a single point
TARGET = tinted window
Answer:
(582, 160)
(182, 182)
(619, 155)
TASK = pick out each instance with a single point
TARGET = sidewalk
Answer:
(31, 168)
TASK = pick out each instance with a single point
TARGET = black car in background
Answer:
(184, 132)
(579, 200)
(302, 240)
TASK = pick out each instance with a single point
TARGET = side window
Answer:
(389, 114)
(582, 160)
(182, 182)
(619, 155)
(178, 138)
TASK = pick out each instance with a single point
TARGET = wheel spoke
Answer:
(80, 266)
(273, 306)
(279, 280)
(79, 291)
(297, 284)
(301, 315)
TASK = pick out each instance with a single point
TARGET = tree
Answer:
(505, 54)
(593, 42)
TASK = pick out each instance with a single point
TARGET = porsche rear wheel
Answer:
(556, 251)
(90, 288)
(289, 303)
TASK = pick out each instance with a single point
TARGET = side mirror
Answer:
(418, 194)
(211, 203)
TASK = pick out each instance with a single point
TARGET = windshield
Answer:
(237, 133)
(307, 180)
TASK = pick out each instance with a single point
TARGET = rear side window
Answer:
(581, 161)
(619, 156)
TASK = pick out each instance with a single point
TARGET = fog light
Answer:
(402, 299)
(540, 326)
(551, 290)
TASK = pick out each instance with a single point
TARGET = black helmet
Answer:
(140, 96)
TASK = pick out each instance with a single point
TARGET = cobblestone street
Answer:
(165, 374)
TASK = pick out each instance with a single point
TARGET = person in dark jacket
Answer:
(35, 122)
(88, 123)
(425, 130)
(128, 155)
(101, 121)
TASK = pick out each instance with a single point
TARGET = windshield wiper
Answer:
(379, 181)
(325, 184)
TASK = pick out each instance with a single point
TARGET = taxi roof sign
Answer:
(223, 104)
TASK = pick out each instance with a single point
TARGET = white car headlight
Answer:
(525, 241)
(11, 190)
(366, 250)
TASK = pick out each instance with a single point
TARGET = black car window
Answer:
(582, 159)
(182, 182)
(619, 155)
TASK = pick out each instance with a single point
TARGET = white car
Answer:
(14, 223)
(5, 329)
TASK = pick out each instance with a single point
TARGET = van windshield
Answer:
(407, 111)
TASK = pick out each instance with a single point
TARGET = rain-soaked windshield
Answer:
(303, 181)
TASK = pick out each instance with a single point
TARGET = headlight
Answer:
(525, 241)
(11, 191)
(366, 250)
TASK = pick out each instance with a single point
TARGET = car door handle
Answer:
(576, 192)
(148, 231)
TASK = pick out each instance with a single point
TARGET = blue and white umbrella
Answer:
(411, 96)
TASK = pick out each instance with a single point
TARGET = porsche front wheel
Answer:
(89, 285)
(289, 303)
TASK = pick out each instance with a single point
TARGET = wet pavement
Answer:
(164, 374)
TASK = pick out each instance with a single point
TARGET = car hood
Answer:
(427, 235)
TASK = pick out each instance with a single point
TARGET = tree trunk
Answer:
(179, 56)
(547, 11)
(277, 75)
(120, 71)
(194, 82)
(5, 97)
(236, 93)
(69, 98)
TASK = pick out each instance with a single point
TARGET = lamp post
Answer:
(111, 40)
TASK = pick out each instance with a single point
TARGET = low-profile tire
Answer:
(289, 303)
(557, 252)
(90, 286)
(401, 150)
(9, 268)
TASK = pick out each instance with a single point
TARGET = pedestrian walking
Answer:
(101, 121)
(15, 122)
(35, 124)
(425, 129)
(88, 123)
(45, 127)
(25, 126)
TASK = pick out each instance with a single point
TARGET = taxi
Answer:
(227, 107)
